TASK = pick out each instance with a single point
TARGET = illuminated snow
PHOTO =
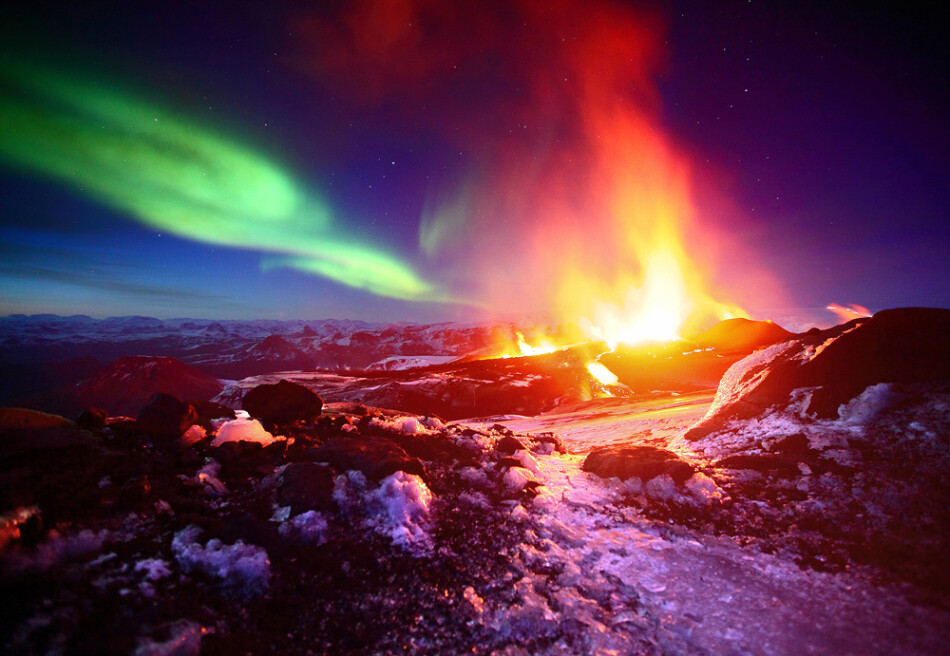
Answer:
(243, 430)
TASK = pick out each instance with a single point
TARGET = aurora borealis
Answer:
(417, 160)
(173, 175)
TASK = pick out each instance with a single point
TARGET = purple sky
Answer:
(816, 136)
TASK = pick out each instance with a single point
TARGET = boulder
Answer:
(375, 456)
(509, 444)
(283, 402)
(643, 462)
(306, 486)
(166, 416)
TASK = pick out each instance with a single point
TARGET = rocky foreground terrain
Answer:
(800, 509)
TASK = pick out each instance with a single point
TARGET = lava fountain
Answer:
(567, 197)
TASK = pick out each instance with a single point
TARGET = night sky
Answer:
(424, 161)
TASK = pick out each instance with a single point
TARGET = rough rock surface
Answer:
(643, 462)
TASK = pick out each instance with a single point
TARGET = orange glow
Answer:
(543, 345)
(849, 312)
(519, 346)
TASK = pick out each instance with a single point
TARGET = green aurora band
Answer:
(173, 175)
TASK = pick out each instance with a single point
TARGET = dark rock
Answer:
(906, 345)
(376, 457)
(166, 416)
(283, 402)
(767, 462)
(433, 448)
(251, 530)
(306, 486)
(509, 444)
(643, 462)
(793, 444)
(509, 462)
(92, 419)
(209, 411)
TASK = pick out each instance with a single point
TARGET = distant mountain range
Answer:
(39, 353)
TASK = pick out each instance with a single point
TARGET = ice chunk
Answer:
(661, 487)
(154, 568)
(243, 430)
(399, 508)
(243, 568)
(310, 527)
(515, 480)
(195, 433)
(704, 489)
(207, 477)
(527, 461)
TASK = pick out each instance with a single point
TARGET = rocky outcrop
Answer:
(824, 370)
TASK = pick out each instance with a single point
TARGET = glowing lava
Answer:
(602, 373)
